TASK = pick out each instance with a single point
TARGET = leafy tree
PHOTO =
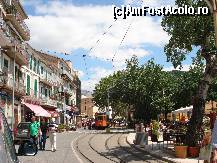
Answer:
(186, 33)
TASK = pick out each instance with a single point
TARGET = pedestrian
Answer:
(52, 134)
(34, 130)
(43, 137)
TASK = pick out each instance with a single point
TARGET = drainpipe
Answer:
(12, 119)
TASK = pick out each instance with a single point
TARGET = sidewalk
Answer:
(163, 153)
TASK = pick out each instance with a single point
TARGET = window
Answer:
(30, 62)
(28, 85)
(16, 72)
(42, 70)
(38, 70)
(20, 74)
(42, 91)
(35, 88)
(45, 92)
(6, 64)
(85, 108)
(35, 65)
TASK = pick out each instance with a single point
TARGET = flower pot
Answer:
(181, 151)
(193, 151)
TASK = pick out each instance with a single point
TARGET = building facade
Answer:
(31, 82)
(88, 109)
(13, 34)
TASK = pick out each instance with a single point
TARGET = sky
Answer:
(86, 31)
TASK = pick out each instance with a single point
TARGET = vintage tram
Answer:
(101, 121)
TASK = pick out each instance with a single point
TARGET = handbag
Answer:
(205, 152)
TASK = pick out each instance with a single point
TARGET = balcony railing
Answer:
(69, 75)
(7, 82)
(48, 102)
(12, 15)
(6, 32)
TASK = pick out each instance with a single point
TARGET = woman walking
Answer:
(52, 130)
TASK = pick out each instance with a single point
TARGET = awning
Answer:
(53, 114)
(38, 110)
(183, 110)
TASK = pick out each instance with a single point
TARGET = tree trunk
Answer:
(199, 108)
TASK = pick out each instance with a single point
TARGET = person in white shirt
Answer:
(52, 134)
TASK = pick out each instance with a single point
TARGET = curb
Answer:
(120, 131)
(150, 153)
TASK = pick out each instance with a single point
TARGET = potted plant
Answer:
(181, 149)
(202, 132)
(61, 128)
(194, 150)
(155, 129)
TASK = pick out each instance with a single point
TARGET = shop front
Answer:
(13, 116)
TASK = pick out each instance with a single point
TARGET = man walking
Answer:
(43, 137)
(52, 130)
(34, 128)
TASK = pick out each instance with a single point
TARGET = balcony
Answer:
(5, 37)
(47, 102)
(17, 21)
(67, 75)
(65, 91)
(20, 54)
(46, 82)
(6, 83)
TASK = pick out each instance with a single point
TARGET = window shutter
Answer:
(28, 85)
(30, 62)
(35, 88)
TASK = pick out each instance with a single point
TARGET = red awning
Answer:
(38, 110)
(54, 114)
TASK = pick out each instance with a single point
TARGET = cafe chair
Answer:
(167, 138)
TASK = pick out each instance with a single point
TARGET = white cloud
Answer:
(96, 75)
(150, 3)
(80, 73)
(184, 68)
(64, 27)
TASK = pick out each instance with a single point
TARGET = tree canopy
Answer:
(188, 32)
(148, 89)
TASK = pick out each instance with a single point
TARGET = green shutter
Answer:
(30, 62)
(38, 70)
(35, 65)
(35, 88)
(28, 85)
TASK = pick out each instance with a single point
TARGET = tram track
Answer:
(106, 148)
(78, 149)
